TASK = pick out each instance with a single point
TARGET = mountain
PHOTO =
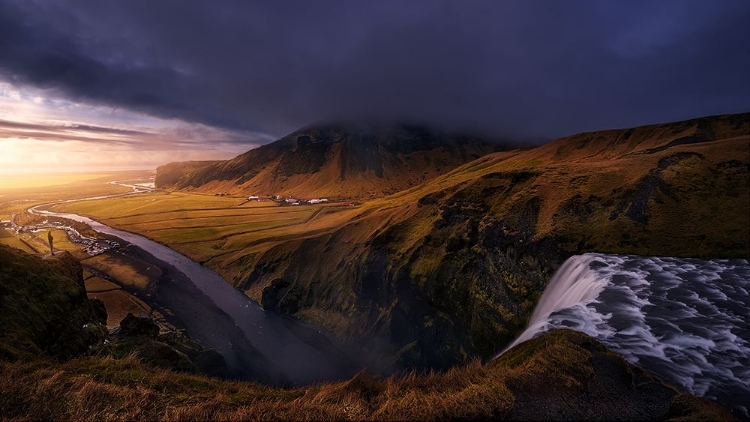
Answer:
(170, 174)
(451, 269)
(48, 373)
(332, 161)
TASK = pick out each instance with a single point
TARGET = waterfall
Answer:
(574, 283)
(683, 319)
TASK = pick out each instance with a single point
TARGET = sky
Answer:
(135, 84)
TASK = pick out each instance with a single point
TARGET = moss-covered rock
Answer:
(44, 308)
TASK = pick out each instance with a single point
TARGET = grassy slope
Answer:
(451, 269)
(589, 383)
(43, 306)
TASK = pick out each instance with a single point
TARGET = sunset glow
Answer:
(40, 133)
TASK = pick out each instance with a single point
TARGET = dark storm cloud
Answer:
(508, 68)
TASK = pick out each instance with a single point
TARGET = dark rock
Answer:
(172, 350)
(133, 326)
(204, 361)
(272, 294)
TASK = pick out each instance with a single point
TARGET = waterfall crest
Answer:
(573, 283)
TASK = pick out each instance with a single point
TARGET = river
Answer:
(685, 320)
(257, 345)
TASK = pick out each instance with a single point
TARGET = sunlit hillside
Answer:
(675, 189)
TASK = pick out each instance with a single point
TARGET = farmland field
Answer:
(16, 194)
(126, 270)
(36, 180)
(36, 242)
(205, 227)
(8, 238)
(100, 285)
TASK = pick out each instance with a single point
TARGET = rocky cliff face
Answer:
(452, 270)
(139, 336)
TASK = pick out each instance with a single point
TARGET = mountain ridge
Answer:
(332, 161)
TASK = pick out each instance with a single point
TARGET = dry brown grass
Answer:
(104, 388)
(109, 389)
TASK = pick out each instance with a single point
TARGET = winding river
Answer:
(258, 345)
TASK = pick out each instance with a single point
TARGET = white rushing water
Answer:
(686, 320)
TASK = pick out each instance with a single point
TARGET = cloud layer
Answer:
(520, 69)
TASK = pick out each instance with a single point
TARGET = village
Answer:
(285, 201)
(91, 246)
(293, 200)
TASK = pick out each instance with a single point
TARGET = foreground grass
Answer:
(556, 370)
(105, 388)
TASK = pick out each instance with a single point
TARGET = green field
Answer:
(36, 242)
(207, 227)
